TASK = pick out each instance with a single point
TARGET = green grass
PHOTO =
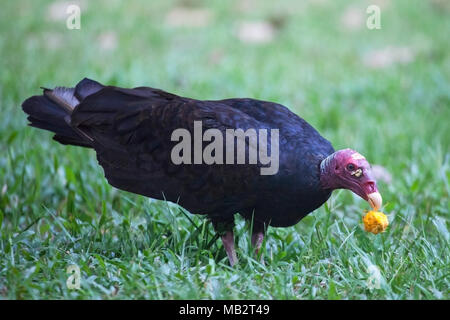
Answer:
(56, 208)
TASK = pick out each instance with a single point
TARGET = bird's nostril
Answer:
(370, 185)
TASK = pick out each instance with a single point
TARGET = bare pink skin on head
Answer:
(347, 169)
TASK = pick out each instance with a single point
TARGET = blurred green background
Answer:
(385, 93)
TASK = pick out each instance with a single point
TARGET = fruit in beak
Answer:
(375, 222)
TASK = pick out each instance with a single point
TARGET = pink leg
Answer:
(228, 243)
(257, 240)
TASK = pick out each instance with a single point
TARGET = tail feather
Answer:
(51, 111)
(71, 141)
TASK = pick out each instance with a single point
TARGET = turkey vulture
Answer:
(132, 132)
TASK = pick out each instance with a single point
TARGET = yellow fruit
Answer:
(375, 222)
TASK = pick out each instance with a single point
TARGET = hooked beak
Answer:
(370, 190)
(375, 200)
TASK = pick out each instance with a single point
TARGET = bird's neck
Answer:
(327, 172)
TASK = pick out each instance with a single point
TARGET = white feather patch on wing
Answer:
(66, 94)
(63, 97)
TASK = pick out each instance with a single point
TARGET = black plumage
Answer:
(130, 130)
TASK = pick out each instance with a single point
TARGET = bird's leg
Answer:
(257, 236)
(228, 243)
(224, 227)
(257, 240)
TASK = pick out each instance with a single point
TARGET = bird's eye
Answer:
(350, 167)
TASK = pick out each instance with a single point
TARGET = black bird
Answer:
(133, 134)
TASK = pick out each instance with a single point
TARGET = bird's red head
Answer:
(347, 169)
